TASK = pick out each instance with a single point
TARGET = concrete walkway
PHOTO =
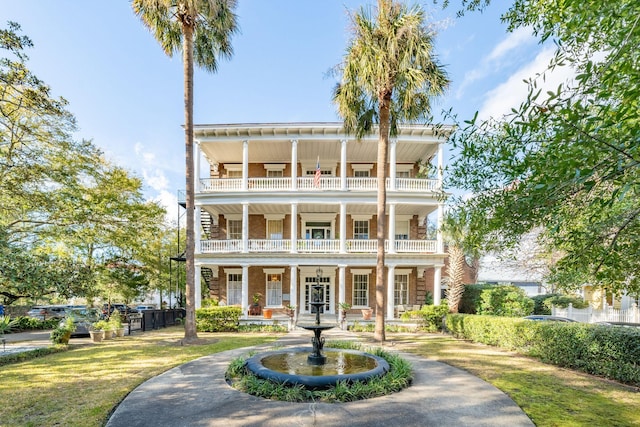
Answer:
(196, 394)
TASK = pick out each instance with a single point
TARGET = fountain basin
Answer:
(290, 366)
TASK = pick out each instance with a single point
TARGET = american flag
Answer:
(318, 175)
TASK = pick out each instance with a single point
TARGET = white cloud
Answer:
(511, 93)
(520, 37)
(170, 202)
(155, 179)
(494, 61)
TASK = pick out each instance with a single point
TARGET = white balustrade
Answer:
(309, 184)
(315, 246)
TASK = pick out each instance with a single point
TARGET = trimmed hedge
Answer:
(218, 319)
(429, 315)
(611, 352)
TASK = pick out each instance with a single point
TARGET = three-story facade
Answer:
(286, 206)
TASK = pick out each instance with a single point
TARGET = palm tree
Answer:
(202, 30)
(389, 76)
(461, 244)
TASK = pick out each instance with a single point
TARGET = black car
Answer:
(82, 319)
(544, 317)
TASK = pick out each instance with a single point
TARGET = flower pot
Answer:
(96, 336)
(267, 313)
(119, 332)
(108, 334)
(366, 314)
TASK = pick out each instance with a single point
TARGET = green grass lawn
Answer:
(549, 395)
(81, 387)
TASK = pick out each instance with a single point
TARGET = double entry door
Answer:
(325, 294)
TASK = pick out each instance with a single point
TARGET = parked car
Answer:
(44, 312)
(82, 319)
(107, 309)
(544, 317)
(620, 324)
(142, 308)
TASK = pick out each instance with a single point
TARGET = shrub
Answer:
(218, 319)
(430, 316)
(24, 323)
(564, 301)
(611, 352)
(62, 333)
(470, 301)
(510, 301)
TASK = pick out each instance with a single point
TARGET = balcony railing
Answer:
(314, 246)
(210, 185)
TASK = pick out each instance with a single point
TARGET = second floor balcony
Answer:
(315, 246)
(262, 184)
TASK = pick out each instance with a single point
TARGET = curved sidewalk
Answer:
(196, 394)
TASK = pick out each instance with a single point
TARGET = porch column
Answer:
(197, 230)
(391, 288)
(392, 228)
(294, 164)
(293, 287)
(245, 292)
(294, 228)
(343, 227)
(196, 166)
(198, 287)
(245, 227)
(437, 277)
(392, 163)
(343, 164)
(342, 288)
(440, 243)
(245, 165)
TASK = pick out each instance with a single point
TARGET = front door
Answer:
(326, 294)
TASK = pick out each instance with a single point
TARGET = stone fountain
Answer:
(318, 370)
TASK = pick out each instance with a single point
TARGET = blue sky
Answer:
(127, 95)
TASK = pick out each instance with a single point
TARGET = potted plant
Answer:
(254, 310)
(115, 321)
(290, 310)
(366, 313)
(62, 333)
(344, 307)
(98, 329)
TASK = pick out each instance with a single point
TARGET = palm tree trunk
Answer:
(383, 147)
(190, 333)
(456, 285)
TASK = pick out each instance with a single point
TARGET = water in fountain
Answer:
(318, 370)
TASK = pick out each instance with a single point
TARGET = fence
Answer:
(591, 315)
(154, 319)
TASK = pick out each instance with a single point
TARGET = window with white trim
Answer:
(274, 289)
(361, 229)
(234, 229)
(274, 173)
(402, 230)
(234, 173)
(361, 174)
(401, 289)
(274, 229)
(234, 289)
(361, 290)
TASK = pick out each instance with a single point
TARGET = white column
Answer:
(342, 288)
(245, 165)
(198, 286)
(197, 225)
(437, 277)
(196, 166)
(293, 285)
(245, 292)
(245, 227)
(391, 287)
(294, 228)
(294, 164)
(440, 165)
(392, 163)
(392, 228)
(343, 164)
(343, 227)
